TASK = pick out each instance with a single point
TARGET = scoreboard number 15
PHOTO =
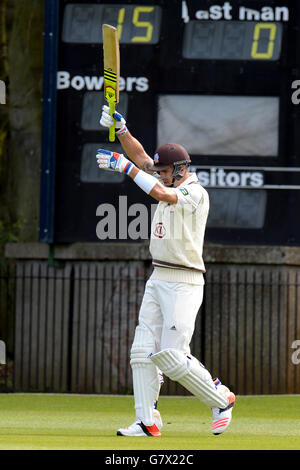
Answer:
(137, 22)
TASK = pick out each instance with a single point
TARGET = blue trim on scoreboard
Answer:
(47, 193)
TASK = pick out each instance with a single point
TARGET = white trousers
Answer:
(169, 311)
(166, 320)
(162, 342)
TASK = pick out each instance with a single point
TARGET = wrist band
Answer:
(145, 181)
(122, 130)
(128, 168)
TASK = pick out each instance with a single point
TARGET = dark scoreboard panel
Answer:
(136, 24)
(234, 40)
(217, 77)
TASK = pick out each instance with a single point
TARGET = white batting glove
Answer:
(107, 121)
(113, 161)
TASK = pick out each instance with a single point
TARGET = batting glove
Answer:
(107, 121)
(113, 161)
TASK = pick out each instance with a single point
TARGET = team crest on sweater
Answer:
(184, 191)
(159, 230)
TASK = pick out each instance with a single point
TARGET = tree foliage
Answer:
(21, 68)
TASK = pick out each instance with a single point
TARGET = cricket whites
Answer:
(111, 52)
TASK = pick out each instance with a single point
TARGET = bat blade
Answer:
(111, 53)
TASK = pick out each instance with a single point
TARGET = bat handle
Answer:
(112, 128)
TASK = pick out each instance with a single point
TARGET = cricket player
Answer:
(174, 292)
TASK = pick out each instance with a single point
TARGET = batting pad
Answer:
(190, 373)
(146, 380)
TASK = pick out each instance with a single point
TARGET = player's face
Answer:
(166, 176)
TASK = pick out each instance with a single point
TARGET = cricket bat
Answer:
(111, 53)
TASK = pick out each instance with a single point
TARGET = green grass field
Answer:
(86, 422)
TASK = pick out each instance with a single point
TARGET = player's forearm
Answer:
(152, 187)
(135, 151)
(132, 147)
(108, 160)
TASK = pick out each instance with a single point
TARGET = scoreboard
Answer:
(220, 78)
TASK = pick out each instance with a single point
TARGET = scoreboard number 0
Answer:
(257, 35)
(232, 40)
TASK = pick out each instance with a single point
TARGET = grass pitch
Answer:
(89, 422)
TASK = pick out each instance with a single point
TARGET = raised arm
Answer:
(131, 146)
(135, 151)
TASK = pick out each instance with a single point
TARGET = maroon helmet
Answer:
(171, 155)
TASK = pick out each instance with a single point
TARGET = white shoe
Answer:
(139, 429)
(157, 419)
(222, 416)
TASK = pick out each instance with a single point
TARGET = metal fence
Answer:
(70, 328)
